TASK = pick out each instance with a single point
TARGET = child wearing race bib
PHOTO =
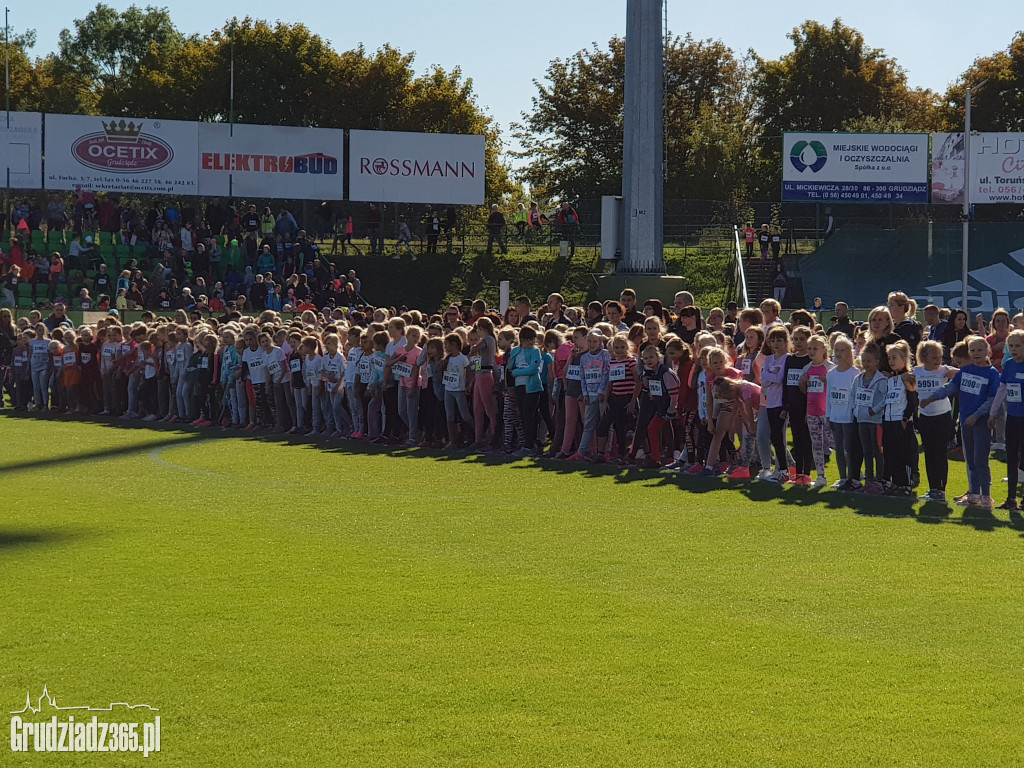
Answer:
(375, 390)
(354, 368)
(485, 411)
(839, 410)
(573, 405)
(407, 369)
(870, 389)
(182, 357)
(814, 383)
(1010, 395)
(795, 405)
(299, 392)
(746, 398)
(620, 395)
(678, 357)
(332, 383)
(594, 366)
(656, 406)
(454, 374)
(230, 360)
(253, 359)
(720, 414)
(395, 349)
(977, 384)
(773, 383)
(898, 425)
(312, 367)
(750, 358)
(934, 420)
(524, 362)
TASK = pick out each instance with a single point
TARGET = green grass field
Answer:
(293, 605)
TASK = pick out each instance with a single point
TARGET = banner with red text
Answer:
(271, 161)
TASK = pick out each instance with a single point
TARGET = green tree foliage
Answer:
(832, 81)
(573, 136)
(999, 106)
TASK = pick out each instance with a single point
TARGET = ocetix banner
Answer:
(120, 154)
(855, 167)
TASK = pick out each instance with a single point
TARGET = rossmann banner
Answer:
(271, 161)
(416, 167)
(21, 149)
(997, 168)
(855, 167)
(121, 154)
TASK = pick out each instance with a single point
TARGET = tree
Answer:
(832, 80)
(573, 136)
(110, 51)
(999, 106)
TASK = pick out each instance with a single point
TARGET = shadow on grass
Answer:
(792, 496)
(13, 539)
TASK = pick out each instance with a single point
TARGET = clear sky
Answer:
(505, 46)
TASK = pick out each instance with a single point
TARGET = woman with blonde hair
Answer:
(903, 308)
(880, 331)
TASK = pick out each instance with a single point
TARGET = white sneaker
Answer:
(839, 483)
(819, 482)
(764, 474)
(151, 417)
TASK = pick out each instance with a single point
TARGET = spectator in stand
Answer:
(843, 323)
(520, 220)
(56, 219)
(373, 222)
(251, 222)
(215, 217)
(569, 225)
(286, 226)
(631, 314)
(764, 240)
(496, 230)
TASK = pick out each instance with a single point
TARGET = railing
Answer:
(740, 275)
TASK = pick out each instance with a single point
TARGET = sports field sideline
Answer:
(294, 603)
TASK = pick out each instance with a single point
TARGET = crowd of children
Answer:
(754, 399)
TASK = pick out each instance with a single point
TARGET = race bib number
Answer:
(592, 375)
(378, 364)
(926, 386)
(793, 377)
(745, 365)
(179, 354)
(474, 363)
(655, 388)
(572, 373)
(1013, 393)
(451, 380)
(971, 384)
(86, 357)
(893, 396)
(401, 370)
(296, 366)
(864, 397)
(256, 363)
(617, 373)
(840, 397)
(108, 352)
(69, 358)
(365, 371)
(815, 385)
(205, 363)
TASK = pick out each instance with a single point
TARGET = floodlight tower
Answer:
(643, 140)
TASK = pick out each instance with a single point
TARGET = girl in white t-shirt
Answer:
(935, 420)
(839, 408)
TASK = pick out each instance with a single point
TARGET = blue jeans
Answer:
(41, 388)
(591, 418)
(356, 408)
(342, 422)
(409, 408)
(977, 445)
(302, 403)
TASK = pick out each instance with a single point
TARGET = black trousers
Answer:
(936, 432)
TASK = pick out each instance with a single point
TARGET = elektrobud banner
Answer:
(121, 154)
(268, 160)
(21, 149)
(855, 167)
(416, 167)
(997, 168)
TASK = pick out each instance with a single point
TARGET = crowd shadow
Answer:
(894, 508)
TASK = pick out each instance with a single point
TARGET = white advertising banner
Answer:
(855, 167)
(271, 161)
(997, 168)
(416, 167)
(21, 149)
(122, 154)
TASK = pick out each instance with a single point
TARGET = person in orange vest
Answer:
(748, 235)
